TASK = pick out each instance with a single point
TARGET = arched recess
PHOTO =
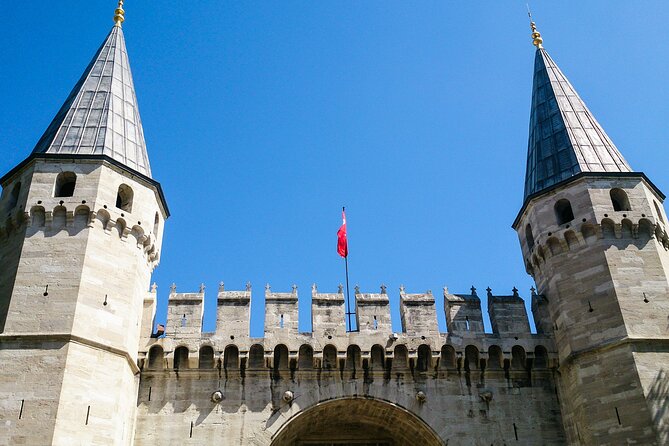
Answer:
(124, 198)
(231, 357)
(181, 358)
(330, 357)
(206, 357)
(305, 357)
(518, 357)
(563, 212)
(424, 362)
(353, 357)
(495, 358)
(400, 357)
(65, 184)
(378, 358)
(156, 358)
(447, 357)
(356, 421)
(619, 200)
(280, 358)
(256, 357)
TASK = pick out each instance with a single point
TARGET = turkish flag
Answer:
(342, 242)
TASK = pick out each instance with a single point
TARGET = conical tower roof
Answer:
(101, 116)
(565, 138)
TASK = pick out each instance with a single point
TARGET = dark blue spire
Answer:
(565, 138)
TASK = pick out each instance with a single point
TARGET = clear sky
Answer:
(263, 118)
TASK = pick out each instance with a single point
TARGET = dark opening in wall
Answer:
(65, 184)
(353, 357)
(124, 198)
(305, 357)
(156, 358)
(256, 357)
(529, 237)
(563, 211)
(231, 357)
(424, 358)
(378, 357)
(206, 357)
(181, 358)
(329, 357)
(620, 200)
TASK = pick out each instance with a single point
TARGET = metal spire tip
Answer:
(119, 14)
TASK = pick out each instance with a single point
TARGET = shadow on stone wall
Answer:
(658, 396)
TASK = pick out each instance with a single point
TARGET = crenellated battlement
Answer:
(328, 345)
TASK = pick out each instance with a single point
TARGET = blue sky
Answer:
(263, 118)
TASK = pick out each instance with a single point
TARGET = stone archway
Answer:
(355, 421)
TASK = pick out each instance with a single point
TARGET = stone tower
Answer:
(593, 237)
(81, 232)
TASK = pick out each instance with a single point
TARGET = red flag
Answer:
(342, 242)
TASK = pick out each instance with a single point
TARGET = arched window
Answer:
(206, 357)
(181, 358)
(657, 209)
(14, 197)
(529, 237)
(256, 357)
(305, 357)
(378, 358)
(38, 216)
(330, 357)
(353, 357)
(65, 183)
(124, 198)
(156, 358)
(231, 357)
(620, 200)
(424, 358)
(563, 211)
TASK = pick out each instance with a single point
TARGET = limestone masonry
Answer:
(83, 363)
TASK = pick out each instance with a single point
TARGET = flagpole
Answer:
(348, 297)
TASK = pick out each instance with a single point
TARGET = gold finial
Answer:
(536, 35)
(119, 14)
